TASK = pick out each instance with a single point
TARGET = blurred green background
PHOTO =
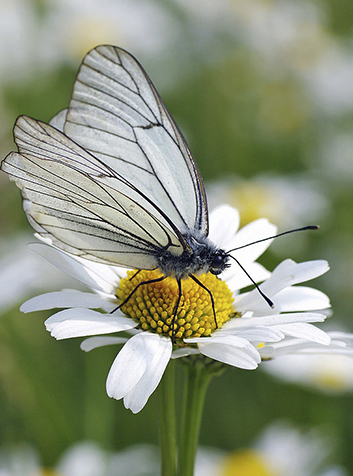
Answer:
(263, 92)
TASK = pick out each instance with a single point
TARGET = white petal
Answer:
(231, 355)
(300, 298)
(80, 322)
(267, 352)
(100, 341)
(237, 279)
(137, 398)
(273, 320)
(64, 299)
(229, 349)
(224, 223)
(254, 231)
(299, 346)
(94, 275)
(184, 351)
(305, 331)
(256, 333)
(252, 301)
(286, 274)
(345, 337)
(131, 363)
(289, 272)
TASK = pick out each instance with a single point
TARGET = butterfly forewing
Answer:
(116, 114)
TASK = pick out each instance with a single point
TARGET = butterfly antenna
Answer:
(304, 228)
(267, 299)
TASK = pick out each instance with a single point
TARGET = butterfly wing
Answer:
(120, 183)
(116, 114)
(68, 199)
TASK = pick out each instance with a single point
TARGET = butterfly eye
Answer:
(218, 263)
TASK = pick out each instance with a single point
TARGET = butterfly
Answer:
(111, 178)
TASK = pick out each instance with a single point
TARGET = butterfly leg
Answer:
(150, 281)
(194, 278)
(175, 311)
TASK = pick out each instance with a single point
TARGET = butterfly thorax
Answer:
(199, 256)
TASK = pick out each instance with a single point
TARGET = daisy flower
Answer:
(272, 196)
(281, 449)
(244, 322)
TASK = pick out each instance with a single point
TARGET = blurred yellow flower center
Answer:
(255, 200)
(49, 472)
(153, 305)
(245, 462)
(331, 382)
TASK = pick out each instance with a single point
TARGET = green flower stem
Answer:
(167, 425)
(199, 375)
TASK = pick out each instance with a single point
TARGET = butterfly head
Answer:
(218, 262)
(206, 257)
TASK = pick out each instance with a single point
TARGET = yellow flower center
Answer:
(153, 305)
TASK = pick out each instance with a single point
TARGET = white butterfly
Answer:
(111, 179)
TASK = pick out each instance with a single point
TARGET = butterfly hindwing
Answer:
(67, 199)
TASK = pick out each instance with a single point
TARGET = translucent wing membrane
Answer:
(73, 198)
(116, 114)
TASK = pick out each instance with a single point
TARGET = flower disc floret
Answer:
(152, 305)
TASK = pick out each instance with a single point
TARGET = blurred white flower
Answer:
(23, 273)
(289, 38)
(64, 31)
(18, 45)
(282, 31)
(86, 458)
(330, 81)
(19, 461)
(335, 154)
(281, 450)
(292, 37)
(76, 27)
(330, 372)
(291, 201)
